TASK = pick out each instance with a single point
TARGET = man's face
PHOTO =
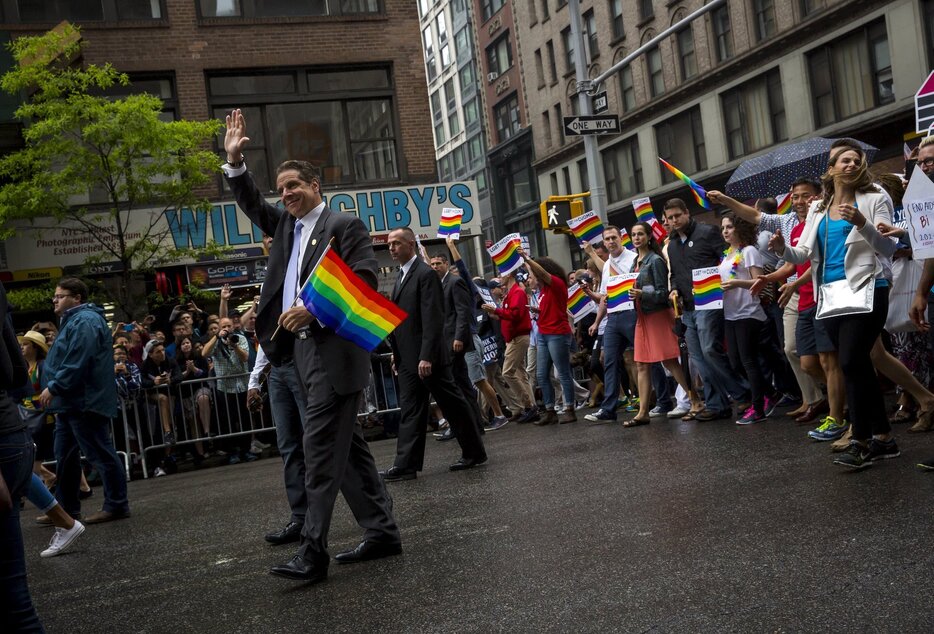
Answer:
(213, 328)
(677, 218)
(801, 196)
(178, 330)
(225, 324)
(250, 324)
(187, 319)
(926, 160)
(611, 240)
(298, 197)
(157, 354)
(62, 300)
(119, 355)
(440, 266)
(401, 248)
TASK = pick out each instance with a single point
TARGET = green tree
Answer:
(81, 145)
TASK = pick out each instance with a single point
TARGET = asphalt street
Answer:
(687, 527)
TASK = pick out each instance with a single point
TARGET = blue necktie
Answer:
(291, 271)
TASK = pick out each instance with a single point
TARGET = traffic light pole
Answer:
(587, 87)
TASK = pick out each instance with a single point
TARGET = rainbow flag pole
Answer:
(700, 194)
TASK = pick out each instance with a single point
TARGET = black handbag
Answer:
(34, 419)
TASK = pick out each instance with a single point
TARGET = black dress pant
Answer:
(414, 398)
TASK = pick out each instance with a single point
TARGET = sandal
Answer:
(925, 422)
(635, 422)
(904, 415)
(692, 415)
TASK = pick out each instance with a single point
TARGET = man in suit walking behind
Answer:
(423, 362)
(333, 370)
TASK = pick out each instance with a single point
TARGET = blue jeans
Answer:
(16, 454)
(288, 415)
(87, 433)
(554, 349)
(662, 387)
(620, 334)
(39, 494)
(704, 337)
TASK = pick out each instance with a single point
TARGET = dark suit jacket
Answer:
(458, 311)
(421, 336)
(347, 364)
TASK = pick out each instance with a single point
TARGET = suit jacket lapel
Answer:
(408, 276)
(315, 245)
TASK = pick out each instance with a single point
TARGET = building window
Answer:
(445, 56)
(686, 53)
(468, 77)
(546, 126)
(462, 45)
(506, 117)
(680, 141)
(765, 18)
(341, 120)
(645, 10)
(552, 64)
(754, 114)
(460, 161)
(481, 181)
(627, 91)
(488, 8)
(442, 28)
(499, 55)
(280, 9)
(539, 68)
(929, 29)
(439, 134)
(458, 6)
(450, 94)
(568, 51)
(616, 15)
(553, 180)
(430, 67)
(157, 85)
(811, 6)
(851, 75)
(475, 149)
(436, 104)
(53, 11)
(566, 173)
(518, 181)
(622, 170)
(444, 169)
(559, 122)
(653, 62)
(545, 13)
(722, 33)
(533, 17)
(423, 6)
(454, 124)
(471, 114)
(590, 31)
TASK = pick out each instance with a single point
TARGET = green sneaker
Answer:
(829, 430)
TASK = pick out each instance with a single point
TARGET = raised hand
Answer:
(235, 139)
(226, 292)
(716, 197)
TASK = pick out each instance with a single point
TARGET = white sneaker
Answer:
(159, 472)
(62, 539)
(678, 412)
(656, 412)
(257, 446)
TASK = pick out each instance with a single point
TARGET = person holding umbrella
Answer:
(842, 243)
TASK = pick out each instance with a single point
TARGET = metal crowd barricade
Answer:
(188, 403)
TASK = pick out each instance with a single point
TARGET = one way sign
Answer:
(602, 124)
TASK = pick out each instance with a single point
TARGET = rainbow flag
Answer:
(645, 213)
(505, 253)
(708, 294)
(784, 204)
(579, 303)
(587, 228)
(617, 292)
(340, 300)
(450, 226)
(625, 240)
(700, 194)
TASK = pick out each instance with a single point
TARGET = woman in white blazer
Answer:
(841, 241)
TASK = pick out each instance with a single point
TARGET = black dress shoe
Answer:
(291, 533)
(368, 550)
(300, 569)
(467, 463)
(446, 436)
(394, 474)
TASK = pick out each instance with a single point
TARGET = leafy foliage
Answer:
(82, 145)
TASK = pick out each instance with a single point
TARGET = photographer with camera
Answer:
(230, 354)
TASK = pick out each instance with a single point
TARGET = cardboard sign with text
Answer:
(919, 207)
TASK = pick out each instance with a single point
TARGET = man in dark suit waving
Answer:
(333, 371)
(423, 362)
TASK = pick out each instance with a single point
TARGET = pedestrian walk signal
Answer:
(557, 210)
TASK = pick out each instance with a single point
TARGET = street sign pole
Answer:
(591, 153)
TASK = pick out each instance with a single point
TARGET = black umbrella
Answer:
(773, 173)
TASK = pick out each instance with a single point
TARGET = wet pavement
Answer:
(585, 528)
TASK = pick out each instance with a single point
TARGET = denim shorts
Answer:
(474, 361)
(811, 337)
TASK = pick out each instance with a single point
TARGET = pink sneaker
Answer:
(750, 417)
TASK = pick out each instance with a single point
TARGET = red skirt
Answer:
(655, 339)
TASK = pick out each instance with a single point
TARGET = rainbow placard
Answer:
(645, 213)
(784, 203)
(700, 194)
(625, 240)
(618, 297)
(587, 228)
(579, 303)
(450, 226)
(708, 294)
(505, 253)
